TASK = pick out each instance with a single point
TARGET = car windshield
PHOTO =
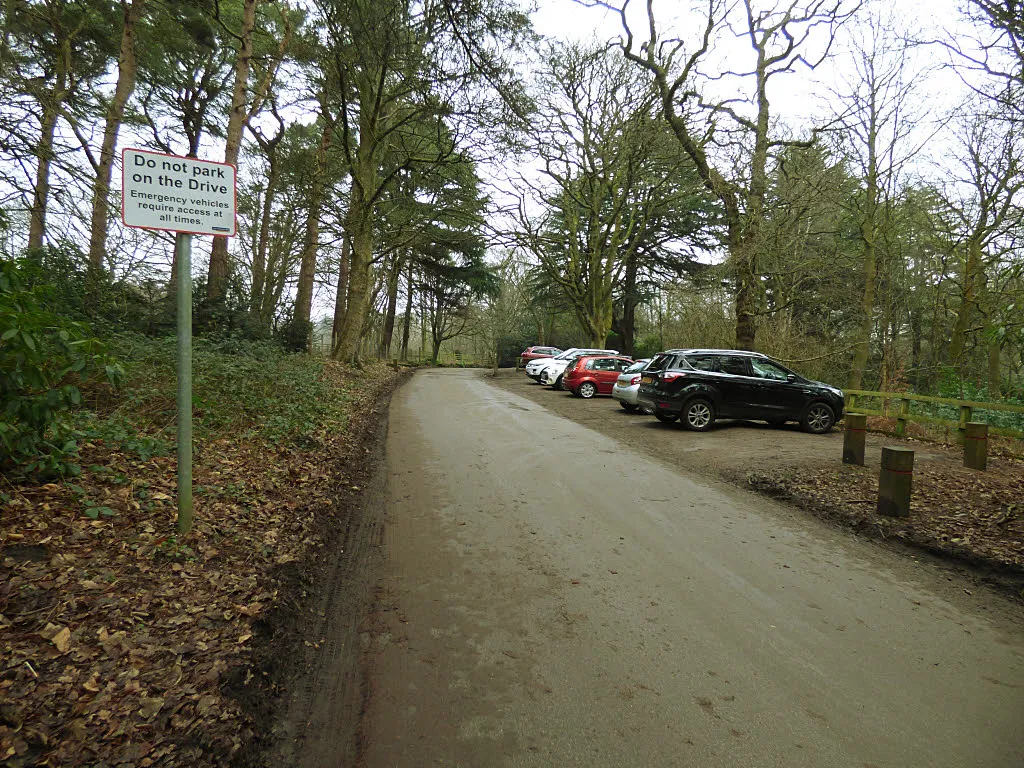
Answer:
(567, 354)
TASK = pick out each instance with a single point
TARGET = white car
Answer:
(535, 368)
(627, 386)
(552, 373)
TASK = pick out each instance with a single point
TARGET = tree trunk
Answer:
(341, 294)
(392, 307)
(127, 69)
(307, 270)
(435, 333)
(629, 304)
(995, 372)
(407, 322)
(44, 155)
(351, 330)
(216, 281)
(359, 222)
(868, 227)
(748, 288)
(958, 338)
(423, 325)
(257, 306)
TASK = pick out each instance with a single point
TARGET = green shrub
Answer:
(43, 359)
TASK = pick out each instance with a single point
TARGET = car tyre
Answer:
(586, 390)
(557, 383)
(666, 418)
(628, 407)
(699, 415)
(818, 419)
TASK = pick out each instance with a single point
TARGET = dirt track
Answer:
(548, 596)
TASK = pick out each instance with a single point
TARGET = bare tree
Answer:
(729, 138)
(991, 216)
(878, 112)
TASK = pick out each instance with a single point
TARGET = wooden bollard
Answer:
(976, 445)
(894, 482)
(853, 438)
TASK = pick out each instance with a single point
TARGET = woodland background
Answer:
(419, 179)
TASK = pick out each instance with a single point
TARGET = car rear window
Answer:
(661, 362)
(635, 367)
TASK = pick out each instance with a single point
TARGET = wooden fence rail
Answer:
(904, 414)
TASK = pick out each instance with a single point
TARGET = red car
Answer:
(589, 376)
(535, 353)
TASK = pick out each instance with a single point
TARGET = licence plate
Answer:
(646, 379)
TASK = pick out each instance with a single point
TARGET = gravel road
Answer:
(549, 597)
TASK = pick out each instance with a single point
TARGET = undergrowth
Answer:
(241, 390)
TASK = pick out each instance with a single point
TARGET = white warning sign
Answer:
(177, 194)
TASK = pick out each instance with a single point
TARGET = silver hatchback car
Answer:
(628, 385)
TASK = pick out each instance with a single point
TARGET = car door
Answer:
(779, 394)
(736, 385)
(605, 371)
(613, 375)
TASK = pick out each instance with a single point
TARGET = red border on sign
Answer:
(234, 191)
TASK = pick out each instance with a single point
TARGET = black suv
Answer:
(701, 385)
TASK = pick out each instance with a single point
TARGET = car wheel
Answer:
(665, 418)
(557, 383)
(628, 407)
(818, 418)
(699, 415)
(586, 390)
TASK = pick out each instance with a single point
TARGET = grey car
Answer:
(628, 385)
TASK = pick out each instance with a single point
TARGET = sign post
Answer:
(189, 197)
(183, 247)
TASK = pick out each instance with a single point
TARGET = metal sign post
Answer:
(183, 248)
(189, 197)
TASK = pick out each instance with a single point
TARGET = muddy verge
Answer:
(323, 600)
(971, 519)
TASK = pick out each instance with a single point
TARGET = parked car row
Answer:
(696, 386)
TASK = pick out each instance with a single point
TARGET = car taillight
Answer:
(672, 376)
(634, 380)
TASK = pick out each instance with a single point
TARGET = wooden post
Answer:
(394, 363)
(976, 445)
(901, 420)
(965, 416)
(519, 363)
(851, 401)
(894, 481)
(854, 437)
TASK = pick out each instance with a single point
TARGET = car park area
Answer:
(955, 511)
